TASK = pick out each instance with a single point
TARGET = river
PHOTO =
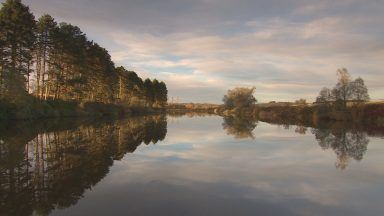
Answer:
(189, 165)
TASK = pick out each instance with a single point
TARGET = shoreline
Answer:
(33, 109)
(363, 113)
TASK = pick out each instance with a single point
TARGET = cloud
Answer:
(276, 55)
(287, 49)
(197, 151)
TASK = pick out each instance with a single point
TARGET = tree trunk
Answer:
(28, 73)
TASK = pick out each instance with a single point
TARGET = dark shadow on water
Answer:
(49, 164)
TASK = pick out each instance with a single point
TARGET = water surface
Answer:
(189, 165)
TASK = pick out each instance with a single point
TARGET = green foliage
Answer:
(17, 40)
(25, 108)
(56, 62)
(32, 108)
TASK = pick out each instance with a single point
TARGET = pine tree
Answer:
(46, 31)
(17, 26)
(66, 65)
(149, 92)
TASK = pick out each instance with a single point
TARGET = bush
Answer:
(239, 98)
(32, 108)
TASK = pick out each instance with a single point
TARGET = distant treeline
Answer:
(363, 113)
(52, 61)
(348, 101)
(196, 107)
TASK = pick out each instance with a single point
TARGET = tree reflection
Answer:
(347, 140)
(301, 129)
(240, 128)
(345, 143)
(41, 171)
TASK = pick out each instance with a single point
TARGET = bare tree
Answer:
(359, 92)
(345, 90)
(342, 90)
(325, 95)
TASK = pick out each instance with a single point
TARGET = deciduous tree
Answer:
(239, 98)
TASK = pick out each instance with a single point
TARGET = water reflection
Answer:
(240, 128)
(346, 140)
(44, 167)
(345, 143)
(50, 165)
(301, 129)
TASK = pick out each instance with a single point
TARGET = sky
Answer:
(287, 49)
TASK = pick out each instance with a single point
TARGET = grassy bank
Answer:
(289, 113)
(32, 108)
(367, 113)
(192, 107)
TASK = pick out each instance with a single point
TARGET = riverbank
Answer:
(291, 113)
(32, 108)
(363, 113)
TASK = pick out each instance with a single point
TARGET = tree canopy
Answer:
(54, 61)
(17, 41)
(345, 90)
(239, 98)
